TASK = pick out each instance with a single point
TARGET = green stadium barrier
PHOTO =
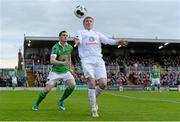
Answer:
(78, 87)
(81, 87)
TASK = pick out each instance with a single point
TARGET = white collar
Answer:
(61, 44)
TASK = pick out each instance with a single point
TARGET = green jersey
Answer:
(14, 73)
(155, 73)
(62, 54)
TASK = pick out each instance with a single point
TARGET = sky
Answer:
(118, 18)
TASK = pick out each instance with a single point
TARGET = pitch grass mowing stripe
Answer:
(16, 105)
(148, 99)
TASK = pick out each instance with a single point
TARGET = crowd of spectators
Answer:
(39, 59)
(133, 69)
(6, 81)
(40, 78)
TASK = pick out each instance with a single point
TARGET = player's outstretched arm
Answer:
(76, 41)
(122, 43)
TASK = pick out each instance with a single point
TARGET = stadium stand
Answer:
(130, 64)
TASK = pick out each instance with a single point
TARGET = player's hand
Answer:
(76, 41)
(122, 43)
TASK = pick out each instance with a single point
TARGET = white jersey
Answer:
(90, 43)
(14, 80)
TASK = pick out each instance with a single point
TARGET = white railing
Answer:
(128, 69)
(42, 68)
(148, 69)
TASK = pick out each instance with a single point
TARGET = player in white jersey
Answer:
(14, 78)
(89, 48)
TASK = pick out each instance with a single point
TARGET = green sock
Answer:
(67, 92)
(158, 86)
(153, 88)
(13, 86)
(42, 95)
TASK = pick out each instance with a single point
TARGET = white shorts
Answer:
(14, 80)
(53, 77)
(94, 67)
(155, 81)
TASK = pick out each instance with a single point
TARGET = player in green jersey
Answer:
(155, 78)
(61, 70)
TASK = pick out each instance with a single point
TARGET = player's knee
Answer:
(48, 88)
(103, 83)
(72, 84)
(91, 83)
(103, 86)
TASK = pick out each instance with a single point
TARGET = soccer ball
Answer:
(80, 11)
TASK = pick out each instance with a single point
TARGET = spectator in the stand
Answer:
(36, 81)
(78, 81)
(178, 79)
(147, 83)
(120, 84)
(25, 80)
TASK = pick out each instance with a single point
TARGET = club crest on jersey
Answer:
(91, 39)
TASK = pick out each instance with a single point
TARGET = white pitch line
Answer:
(131, 97)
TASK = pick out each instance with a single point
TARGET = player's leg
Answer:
(70, 81)
(89, 73)
(102, 86)
(101, 76)
(153, 85)
(158, 87)
(92, 96)
(14, 82)
(158, 84)
(42, 95)
(52, 79)
(13, 86)
(121, 88)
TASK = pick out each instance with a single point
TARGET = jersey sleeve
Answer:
(106, 40)
(54, 51)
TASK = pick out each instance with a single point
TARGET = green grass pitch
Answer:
(113, 106)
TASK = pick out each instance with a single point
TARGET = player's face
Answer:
(63, 37)
(155, 67)
(88, 24)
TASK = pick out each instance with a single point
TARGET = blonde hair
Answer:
(87, 17)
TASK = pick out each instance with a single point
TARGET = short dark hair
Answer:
(62, 32)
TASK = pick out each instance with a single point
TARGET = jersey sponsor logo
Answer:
(91, 41)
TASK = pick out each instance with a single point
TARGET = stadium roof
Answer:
(43, 38)
(138, 44)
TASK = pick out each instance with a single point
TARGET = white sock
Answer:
(92, 97)
(98, 91)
